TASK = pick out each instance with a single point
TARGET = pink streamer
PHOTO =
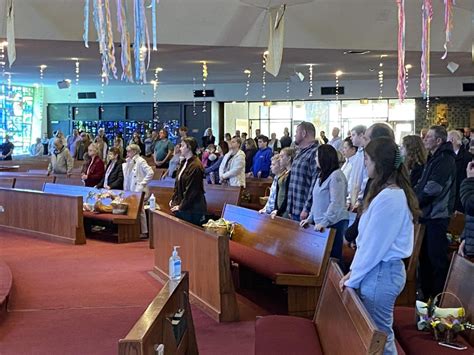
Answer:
(448, 23)
(427, 16)
(401, 86)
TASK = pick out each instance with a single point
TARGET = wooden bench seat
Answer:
(460, 283)
(282, 251)
(128, 225)
(205, 256)
(154, 327)
(23, 180)
(45, 215)
(6, 282)
(341, 325)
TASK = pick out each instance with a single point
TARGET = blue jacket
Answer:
(262, 161)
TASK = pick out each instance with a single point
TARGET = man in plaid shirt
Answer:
(303, 172)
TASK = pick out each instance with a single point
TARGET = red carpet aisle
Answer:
(82, 299)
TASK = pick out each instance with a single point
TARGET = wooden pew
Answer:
(45, 215)
(282, 251)
(341, 325)
(217, 196)
(408, 295)
(31, 182)
(6, 281)
(206, 257)
(158, 173)
(154, 327)
(460, 283)
(254, 189)
(12, 168)
(128, 225)
(7, 182)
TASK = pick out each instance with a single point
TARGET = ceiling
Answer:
(231, 36)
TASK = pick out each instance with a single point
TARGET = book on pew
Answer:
(178, 321)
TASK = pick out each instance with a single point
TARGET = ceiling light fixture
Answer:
(355, 52)
(338, 74)
(452, 67)
(264, 74)
(248, 72)
(310, 80)
(42, 68)
(204, 79)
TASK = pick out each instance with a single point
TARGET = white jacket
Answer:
(136, 174)
(235, 172)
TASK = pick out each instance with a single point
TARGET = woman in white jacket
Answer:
(232, 169)
(136, 176)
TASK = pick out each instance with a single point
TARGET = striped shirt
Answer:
(303, 175)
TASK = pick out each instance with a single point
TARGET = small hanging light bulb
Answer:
(77, 70)
(42, 69)
(204, 79)
(338, 74)
(311, 80)
(247, 85)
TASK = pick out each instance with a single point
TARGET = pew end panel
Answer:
(154, 327)
(341, 313)
(205, 256)
(281, 250)
(7, 182)
(340, 325)
(43, 215)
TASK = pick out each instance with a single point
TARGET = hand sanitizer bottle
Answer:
(175, 265)
(152, 202)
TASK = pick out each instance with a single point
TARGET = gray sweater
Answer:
(329, 200)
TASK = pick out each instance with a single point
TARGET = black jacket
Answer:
(115, 179)
(467, 199)
(415, 174)
(189, 187)
(436, 188)
(462, 159)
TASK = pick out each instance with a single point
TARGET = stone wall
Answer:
(457, 114)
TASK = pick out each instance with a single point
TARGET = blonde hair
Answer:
(95, 147)
(134, 147)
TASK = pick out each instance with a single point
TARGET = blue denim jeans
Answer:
(378, 291)
(340, 228)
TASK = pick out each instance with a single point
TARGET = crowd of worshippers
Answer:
(317, 182)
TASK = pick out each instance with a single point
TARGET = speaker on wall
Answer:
(199, 93)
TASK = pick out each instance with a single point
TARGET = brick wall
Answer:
(458, 112)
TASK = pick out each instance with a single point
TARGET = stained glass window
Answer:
(16, 116)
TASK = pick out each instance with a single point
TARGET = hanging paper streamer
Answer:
(401, 86)
(85, 36)
(448, 24)
(153, 19)
(427, 16)
(11, 32)
(127, 73)
(142, 41)
(110, 39)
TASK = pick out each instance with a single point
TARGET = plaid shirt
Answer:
(270, 205)
(302, 178)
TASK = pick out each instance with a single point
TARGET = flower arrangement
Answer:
(444, 323)
(221, 227)
(94, 202)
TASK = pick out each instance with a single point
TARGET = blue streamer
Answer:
(86, 24)
(153, 17)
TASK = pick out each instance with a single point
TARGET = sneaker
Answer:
(144, 236)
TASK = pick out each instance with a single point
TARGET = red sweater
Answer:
(95, 172)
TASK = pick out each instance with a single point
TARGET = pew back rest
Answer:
(460, 283)
(412, 261)
(342, 321)
(281, 238)
(254, 189)
(134, 199)
(163, 196)
(32, 182)
(7, 182)
(217, 196)
(154, 326)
